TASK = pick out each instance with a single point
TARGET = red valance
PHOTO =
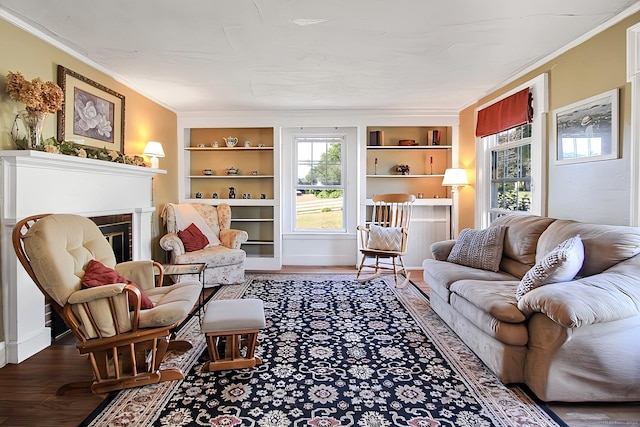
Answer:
(512, 111)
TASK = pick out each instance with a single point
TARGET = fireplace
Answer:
(117, 229)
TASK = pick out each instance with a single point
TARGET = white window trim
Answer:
(288, 135)
(633, 76)
(539, 90)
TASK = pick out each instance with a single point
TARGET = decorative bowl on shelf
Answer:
(231, 171)
(407, 142)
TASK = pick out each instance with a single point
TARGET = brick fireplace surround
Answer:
(34, 182)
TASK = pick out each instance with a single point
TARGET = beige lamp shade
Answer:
(154, 150)
(455, 177)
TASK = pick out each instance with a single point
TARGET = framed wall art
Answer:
(92, 114)
(587, 130)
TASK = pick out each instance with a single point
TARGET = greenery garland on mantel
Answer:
(51, 145)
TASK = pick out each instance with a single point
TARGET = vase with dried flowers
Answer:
(40, 98)
(403, 169)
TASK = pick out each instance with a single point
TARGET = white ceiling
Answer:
(205, 55)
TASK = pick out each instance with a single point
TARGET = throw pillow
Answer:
(559, 265)
(385, 238)
(192, 238)
(479, 248)
(98, 274)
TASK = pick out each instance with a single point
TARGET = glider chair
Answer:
(102, 303)
(384, 239)
(201, 233)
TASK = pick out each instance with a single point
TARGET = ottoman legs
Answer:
(225, 349)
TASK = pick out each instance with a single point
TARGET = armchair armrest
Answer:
(232, 239)
(140, 272)
(171, 242)
(103, 311)
(99, 292)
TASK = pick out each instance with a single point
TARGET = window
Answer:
(510, 163)
(319, 184)
(510, 153)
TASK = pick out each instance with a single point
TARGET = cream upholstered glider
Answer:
(125, 344)
(384, 238)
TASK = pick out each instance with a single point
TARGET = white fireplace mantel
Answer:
(35, 182)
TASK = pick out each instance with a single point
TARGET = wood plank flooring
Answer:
(28, 398)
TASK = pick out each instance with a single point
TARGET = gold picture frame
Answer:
(92, 114)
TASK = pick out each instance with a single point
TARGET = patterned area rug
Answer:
(335, 353)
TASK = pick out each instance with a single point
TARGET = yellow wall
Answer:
(145, 120)
(593, 67)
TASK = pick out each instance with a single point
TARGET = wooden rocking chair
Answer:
(385, 237)
(125, 345)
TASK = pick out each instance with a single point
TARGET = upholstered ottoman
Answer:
(230, 325)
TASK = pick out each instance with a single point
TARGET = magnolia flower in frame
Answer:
(93, 116)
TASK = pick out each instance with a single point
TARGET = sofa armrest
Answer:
(440, 250)
(232, 239)
(171, 242)
(600, 298)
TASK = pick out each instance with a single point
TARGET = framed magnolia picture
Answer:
(587, 131)
(92, 114)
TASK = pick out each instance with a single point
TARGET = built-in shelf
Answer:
(258, 212)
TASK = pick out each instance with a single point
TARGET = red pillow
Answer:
(98, 274)
(192, 238)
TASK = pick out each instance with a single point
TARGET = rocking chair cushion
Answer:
(98, 274)
(385, 238)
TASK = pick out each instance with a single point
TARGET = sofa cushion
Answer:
(604, 245)
(496, 298)
(479, 248)
(559, 265)
(440, 275)
(385, 238)
(520, 241)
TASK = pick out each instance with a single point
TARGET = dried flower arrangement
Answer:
(403, 169)
(35, 94)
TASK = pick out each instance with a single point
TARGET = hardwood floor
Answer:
(28, 389)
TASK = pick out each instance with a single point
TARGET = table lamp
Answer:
(154, 150)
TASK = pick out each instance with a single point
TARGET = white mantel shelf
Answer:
(35, 182)
(42, 159)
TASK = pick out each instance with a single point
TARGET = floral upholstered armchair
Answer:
(200, 233)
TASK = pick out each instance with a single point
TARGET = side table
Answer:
(182, 269)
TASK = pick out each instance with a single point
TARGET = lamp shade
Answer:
(153, 149)
(455, 177)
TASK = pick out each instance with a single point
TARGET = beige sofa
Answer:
(574, 341)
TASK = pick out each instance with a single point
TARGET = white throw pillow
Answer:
(560, 265)
(479, 248)
(385, 238)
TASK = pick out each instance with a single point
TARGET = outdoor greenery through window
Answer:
(319, 183)
(510, 170)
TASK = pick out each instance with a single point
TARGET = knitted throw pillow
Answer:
(560, 265)
(385, 238)
(479, 248)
